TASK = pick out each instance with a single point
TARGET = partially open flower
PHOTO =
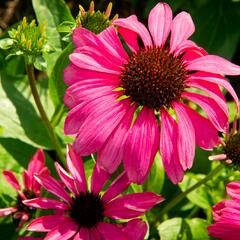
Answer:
(226, 215)
(20, 212)
(95, 21)
(85, 213)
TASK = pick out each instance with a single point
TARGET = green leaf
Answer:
(18, 114)
(66, 27)
(57, 87)
(40, 64)
(199, 196)
(6, 43)
(52, 13)
(184, 229)
(198, 228)
(174, 229)
(155, 178)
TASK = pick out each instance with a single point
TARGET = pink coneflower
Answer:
(82, 213)
(129, 105)
(226, 215)
(32, 188)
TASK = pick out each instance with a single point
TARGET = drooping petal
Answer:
(66, 179)
(76, 168)
(53, 186)
(212, 90)
(214, 64)
(45, 203)
(99, 178)
(131, 205)
(233, 190)
(186, 136)
(182, 28)
(63, 232)
(159, 23)
(108, 230)
(119, 185)
(134, 25)
(47, 223)
(12, 180)
(215, 113)
(168, 148)
(111, 154)
(135, 229)
(99, 124)
(207, 139)
(7, 211)
(141, 146)
(217, 79)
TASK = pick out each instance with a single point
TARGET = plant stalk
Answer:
(44, 117)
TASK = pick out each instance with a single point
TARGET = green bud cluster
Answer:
(29, 38)
(94, 21)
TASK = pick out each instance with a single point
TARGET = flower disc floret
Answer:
(154, 77)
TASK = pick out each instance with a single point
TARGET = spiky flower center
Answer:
(232, 150)
(87, 209)
(154, 77)
(22, 207)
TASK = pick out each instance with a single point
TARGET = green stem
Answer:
(182, 195)
(44, 117)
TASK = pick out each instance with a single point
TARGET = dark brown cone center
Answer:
(154, 77)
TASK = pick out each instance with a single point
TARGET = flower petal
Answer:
(135, 229)
(111, 154)
(76, 168)
(66, 179)
(159, 23)
(207, 139)
(7, 211)
(216, 114)
(99, 178)
(141, 146)
(217, 79)
(45, 203)
(214, 64)
(182, 28)
(47, 223)
(99, 124)
(12, 180)
(186, 136)
(119, 185)
(108, 230)
(63, 232)
(168, 148)
(53, 186)
(132, 24)
(83, 234)
(131, 205)
(233, 190)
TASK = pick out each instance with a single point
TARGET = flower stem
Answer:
(181, 196)
(44, 117)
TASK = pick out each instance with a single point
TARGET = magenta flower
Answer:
(127, 106)
(82, 213)
(226, 215)
(31, 189)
